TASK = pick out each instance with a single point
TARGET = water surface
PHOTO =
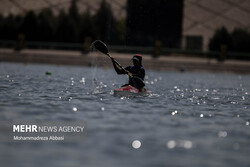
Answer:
(190, 119)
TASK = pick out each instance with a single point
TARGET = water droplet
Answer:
(152, 82)
(201, 115)
(222, 134)
(102, 108)
(7, 76)
(74, 109)
(236, 146)
(247, 123)
(174, 112)
(215, 98)
(82, 80)
(243, 97)
(171, 144)
(136, 144)
(100, 99)
(187, 144)
(59, 97)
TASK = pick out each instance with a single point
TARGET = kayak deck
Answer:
(130, 91)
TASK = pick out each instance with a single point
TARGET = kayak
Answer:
(130, 91)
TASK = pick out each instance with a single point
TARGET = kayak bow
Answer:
(130, 91)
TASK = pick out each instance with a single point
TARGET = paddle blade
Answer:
(101, 46)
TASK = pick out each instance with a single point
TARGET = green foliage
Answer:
(73, 12)
(86, 27)
(45, 28)
(9, 27)
(237, 41)
(120, 32)
(29, 27)
(65, 32)
(221, 37)
(104, 22)
(70, 26)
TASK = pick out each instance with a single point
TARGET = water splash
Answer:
(96, 87)
(83, 80)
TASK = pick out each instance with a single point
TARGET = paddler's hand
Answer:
(129, 73)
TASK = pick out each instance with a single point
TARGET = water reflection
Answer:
(200, 113)
(186, 144)
(136, 144)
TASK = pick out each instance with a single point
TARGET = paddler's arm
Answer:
(117, 69)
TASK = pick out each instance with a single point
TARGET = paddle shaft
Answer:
(119, 65)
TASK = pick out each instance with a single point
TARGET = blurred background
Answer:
(207, 28)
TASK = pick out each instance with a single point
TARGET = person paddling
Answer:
(135, 70)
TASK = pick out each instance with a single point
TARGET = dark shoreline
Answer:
(162, 63)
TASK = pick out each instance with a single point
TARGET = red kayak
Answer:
(130, 91)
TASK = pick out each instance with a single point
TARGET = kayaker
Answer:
(136, 70)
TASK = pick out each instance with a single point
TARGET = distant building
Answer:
(203, 17)
(151, 21)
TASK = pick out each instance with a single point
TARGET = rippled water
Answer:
(190, 119)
